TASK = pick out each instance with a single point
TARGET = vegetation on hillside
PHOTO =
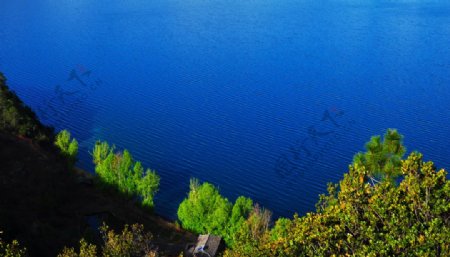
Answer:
(131, 242)
(118, 170)
(385, 205)
(359, 218)
(18, 119)
(206, 211)
(382, 159)
(46, 205)
(67, 146)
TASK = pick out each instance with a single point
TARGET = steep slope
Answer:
(46, 206)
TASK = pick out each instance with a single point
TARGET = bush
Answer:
(120, 171)
(206, 211)
(410, 217)
(131, 242)
(67, 147)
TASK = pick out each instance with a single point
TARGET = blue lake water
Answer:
(264, 98)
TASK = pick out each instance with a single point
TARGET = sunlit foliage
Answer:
(120, 171)
(410, 217)
(67, 146)
(206, 211)
(382, 158)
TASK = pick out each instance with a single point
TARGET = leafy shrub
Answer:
(120, 171)
(206, 211)
(410, 217)
(68, 147)
(131, 242)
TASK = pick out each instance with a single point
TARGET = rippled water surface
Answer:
(268, 99)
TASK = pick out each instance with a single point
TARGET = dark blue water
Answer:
(268, 99)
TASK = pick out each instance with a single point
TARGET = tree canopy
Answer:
(133, 241)
(385, 205)
(206, 211)
(406, 218)
(383, 157)
(120, 171)
(68, 147)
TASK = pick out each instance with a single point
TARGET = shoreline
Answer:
(87, 178)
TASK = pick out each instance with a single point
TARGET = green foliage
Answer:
(253, 232)
(382, 157)
(240, 212)
(12, 249)
(206, 211)
(357, 218)
(120, 171)
(131, 242)
(147, 186)
(281, 228)
(68, 147)
(17, 118)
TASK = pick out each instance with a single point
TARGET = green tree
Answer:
(103, 156)
(239, 214)
(122, 172)
(383, 156)
(68, 147)
(356, 218)
(252, 235)
(147, 186)
(205, 210)
(281, 228)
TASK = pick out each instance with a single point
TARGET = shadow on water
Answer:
(71, 105)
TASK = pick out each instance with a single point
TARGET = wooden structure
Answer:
(206, 246)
